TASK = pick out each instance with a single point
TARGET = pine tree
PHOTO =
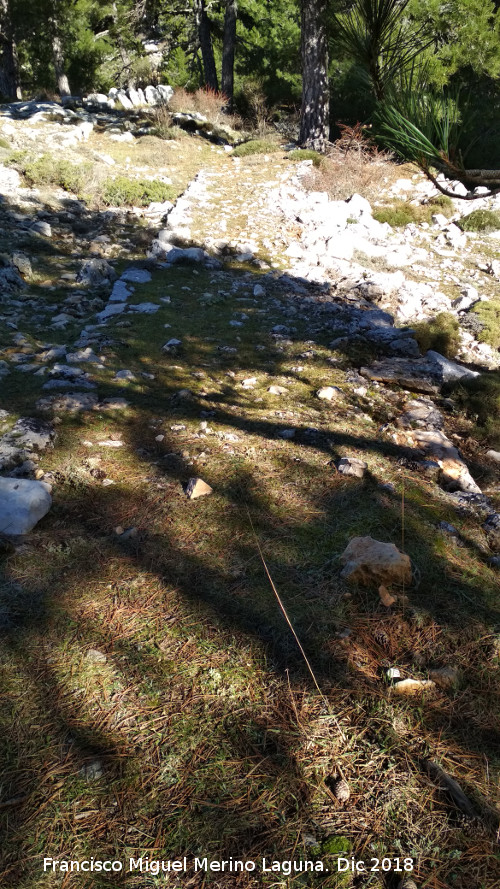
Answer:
(9, 67)
(315, 111)
(228, 49)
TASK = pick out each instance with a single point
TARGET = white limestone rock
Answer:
(22, 504)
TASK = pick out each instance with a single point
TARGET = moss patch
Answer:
(401, 213)
(256, 146)
(306, 154)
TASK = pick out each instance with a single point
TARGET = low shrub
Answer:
(204, 101)
(163, 126)
(306, 154)
(48, 170)
(122, 191)
(342, 173)
(441, 202)
(4, 144)
(488, 313)
(398, 215)
(441, 334)
(480, 399)
(480, 221)
(251, 103)
(256, 146)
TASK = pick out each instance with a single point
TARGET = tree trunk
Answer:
(9, 68)
(58, 57)
(207, 50)
(228, 50)
(315, 112)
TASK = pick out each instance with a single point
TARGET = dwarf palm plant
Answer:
(380, 39)
(427, 127)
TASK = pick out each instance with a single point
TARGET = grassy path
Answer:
(153, 700)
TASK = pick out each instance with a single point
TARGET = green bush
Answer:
(480, 398)
(489, 313)
(480, 221)
(256, 146)
(135, 192)
(48, 170)
(306, 154)
(441, 334)
(441, 202)
(398, 215)
(4, 144)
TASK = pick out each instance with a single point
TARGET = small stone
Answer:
(277, 390)
(341, 790)
(106, 482)
(368, 561)
(110, 443)
(146, 308)
(196, 487)
(287, 434)
(92, 770)
(329, 393)
(95, 656)
(493, 455)
(448, 529)
(159, 437)
(385, 597)
(445, 677)
(125, 375)
(249, 383)
(42, 228)
(352, 466)
(136, 276)
(171, 345)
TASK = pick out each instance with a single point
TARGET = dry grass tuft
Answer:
(207, 102)
(345, 172)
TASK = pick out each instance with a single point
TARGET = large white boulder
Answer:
(166, 92)
(22, 504)
(152, 95)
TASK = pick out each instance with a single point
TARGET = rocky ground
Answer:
(248, 341)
